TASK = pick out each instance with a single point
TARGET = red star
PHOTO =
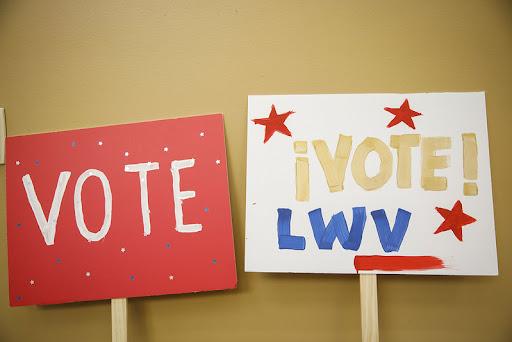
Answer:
(454, 220)
(274, 123)
(403, 114)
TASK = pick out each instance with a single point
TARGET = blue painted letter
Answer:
(337, 227)
(285, 240)
(391, 240)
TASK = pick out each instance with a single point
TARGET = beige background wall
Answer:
(69, 64)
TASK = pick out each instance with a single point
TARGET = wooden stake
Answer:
(369, 307)
(2, 136)
(119, 320)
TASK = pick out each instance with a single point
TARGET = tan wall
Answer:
(68, 64)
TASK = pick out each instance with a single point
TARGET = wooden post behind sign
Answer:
(119, 320)
(369, 307)
(2, 136)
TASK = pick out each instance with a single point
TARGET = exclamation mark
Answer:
(470, 154)
(301, 171)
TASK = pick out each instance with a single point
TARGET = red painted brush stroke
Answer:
(454, 220)
(396, 263)
(274, 123)
(403, 114)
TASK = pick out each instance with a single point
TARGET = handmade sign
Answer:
(379, 183)
(120, 211)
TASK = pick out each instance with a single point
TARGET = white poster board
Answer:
(369, 183)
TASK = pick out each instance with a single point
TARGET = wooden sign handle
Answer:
(369, 307)
(119, 320)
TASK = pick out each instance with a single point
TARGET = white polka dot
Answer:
(166, 149)
(217, 162)
(171, 277)
(100, 143)
(123, 250)
(126, 154)
(17, 162)
(87, 274)
(201, 134)
(32, 282)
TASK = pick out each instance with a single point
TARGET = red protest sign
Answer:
(119, 211)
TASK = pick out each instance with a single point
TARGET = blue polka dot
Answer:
(58, 260)
(37, 162)
(214, 261)
(132, 277)
(205, 210)
(73, 144)
(18, 298)
(18, 225)
(167, 245)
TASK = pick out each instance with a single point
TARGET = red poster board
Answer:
(178, 239)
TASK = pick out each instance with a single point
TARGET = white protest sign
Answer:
(378, 183)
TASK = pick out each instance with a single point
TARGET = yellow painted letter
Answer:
(301, 172)
(470, 154)
(430, 162)
(359, 161)
(403, 144)
(334, 169)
